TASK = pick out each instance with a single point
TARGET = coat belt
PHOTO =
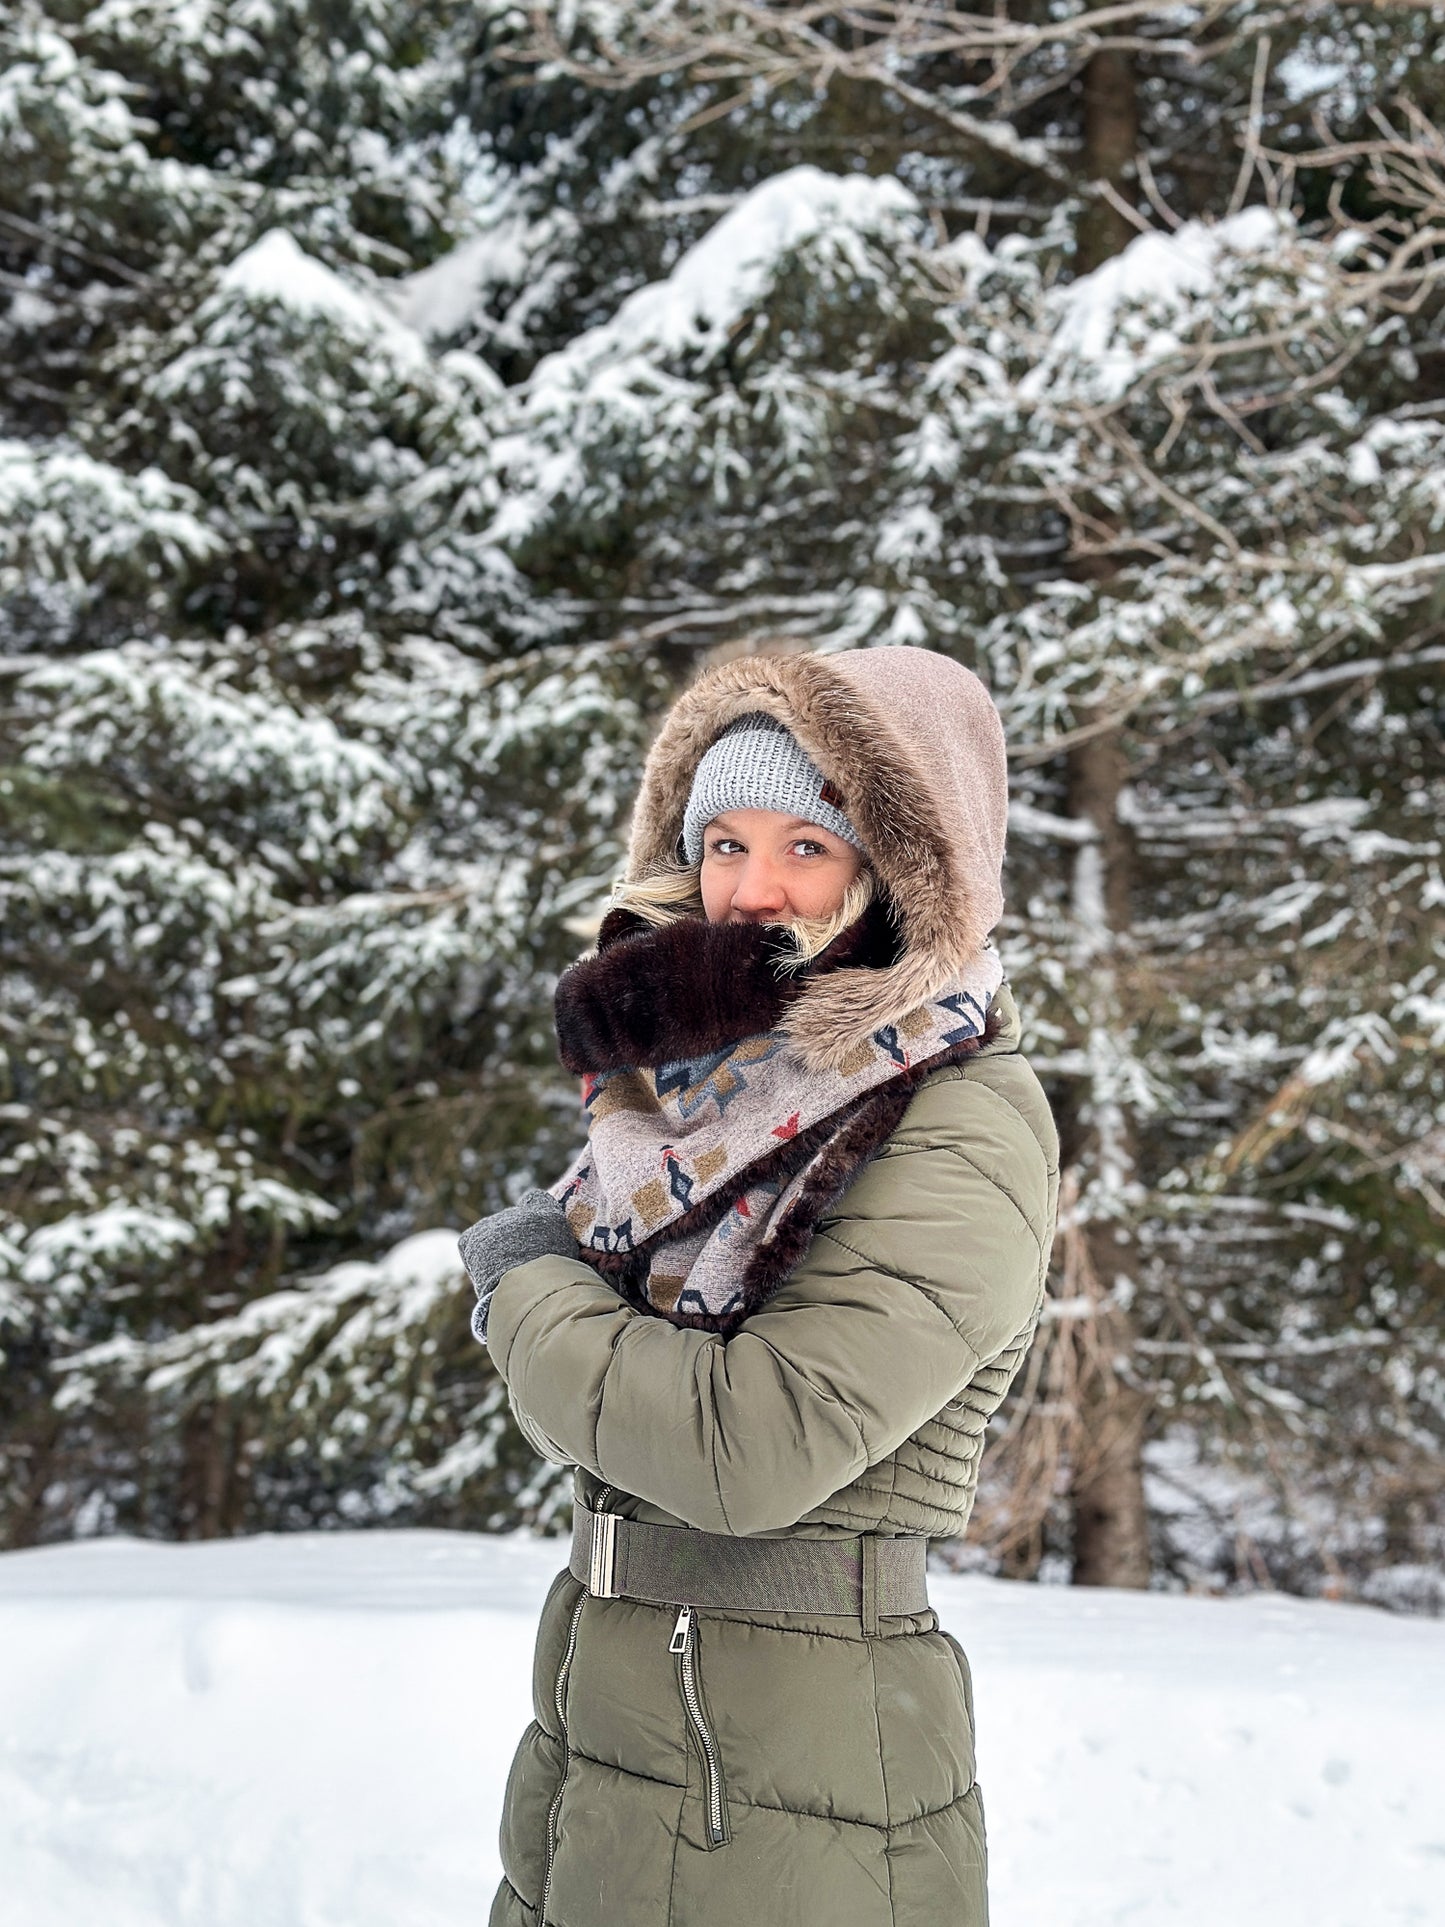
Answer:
(865, 1576)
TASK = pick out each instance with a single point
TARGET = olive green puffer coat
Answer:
(782, 1770)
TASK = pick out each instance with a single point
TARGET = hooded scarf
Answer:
(728, 1104)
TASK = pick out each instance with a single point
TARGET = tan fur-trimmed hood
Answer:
(914, 743)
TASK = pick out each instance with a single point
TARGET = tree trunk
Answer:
(208, 1442)
(1111, 141)
(1110, 1522)
(38, 1449)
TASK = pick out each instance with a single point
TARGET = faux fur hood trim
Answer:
(654, 996)
(915, 746)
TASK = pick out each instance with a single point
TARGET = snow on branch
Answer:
(748, 49)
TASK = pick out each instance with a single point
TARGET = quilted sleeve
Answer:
(931, 1263)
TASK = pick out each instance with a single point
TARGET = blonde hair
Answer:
(672, 891)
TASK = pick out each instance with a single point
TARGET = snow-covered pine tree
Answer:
(1263, 656)
(286, 857)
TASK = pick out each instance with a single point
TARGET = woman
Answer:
(768, 1313)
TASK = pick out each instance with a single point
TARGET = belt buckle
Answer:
(602, 1557)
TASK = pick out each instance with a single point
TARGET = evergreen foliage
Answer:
(403, 400)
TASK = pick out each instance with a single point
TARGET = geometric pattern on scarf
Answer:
(694, 1171)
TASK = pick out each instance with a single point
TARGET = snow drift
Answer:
(315, 1731)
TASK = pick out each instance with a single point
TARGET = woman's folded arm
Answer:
(929, 1270)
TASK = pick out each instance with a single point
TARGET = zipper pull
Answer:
(681, 1632)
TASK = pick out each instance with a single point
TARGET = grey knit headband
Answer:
(757, 764)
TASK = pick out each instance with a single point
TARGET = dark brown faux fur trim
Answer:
(685, 990)
(655, 995)
(906, 838)
(620, 923)
(857, 1134)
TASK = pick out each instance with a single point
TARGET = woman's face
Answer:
(759, 866)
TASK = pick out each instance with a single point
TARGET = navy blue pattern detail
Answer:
(718, 1078)
(612, 1237)
(692, 1302)
(678, 1182)
(970, 1010)
(888, 1040)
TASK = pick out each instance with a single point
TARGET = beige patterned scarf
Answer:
(712, 1149)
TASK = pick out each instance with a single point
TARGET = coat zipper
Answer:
(559, 1694)
(559, 1698)
(684, 1643)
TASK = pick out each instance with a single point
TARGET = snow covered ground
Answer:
(315, 1730)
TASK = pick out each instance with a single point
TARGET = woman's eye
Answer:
(725, 845)
(809, 848)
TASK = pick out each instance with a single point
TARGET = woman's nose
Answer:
(759, 890)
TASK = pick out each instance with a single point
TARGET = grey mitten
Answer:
(535, 1227)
